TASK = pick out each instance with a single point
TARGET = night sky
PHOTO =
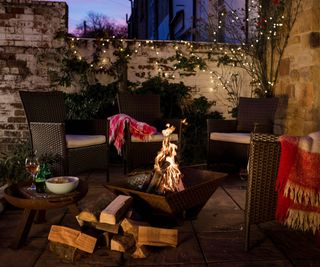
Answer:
(114, 9)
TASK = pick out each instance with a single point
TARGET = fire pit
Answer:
(199, 186)
(167, 189)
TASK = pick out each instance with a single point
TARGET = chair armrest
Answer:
(221, 126)
(96, 126)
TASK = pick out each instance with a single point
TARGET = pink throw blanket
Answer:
(137, 129)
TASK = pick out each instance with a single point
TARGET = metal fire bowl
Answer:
(199, 186)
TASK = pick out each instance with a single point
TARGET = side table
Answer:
(32, 202)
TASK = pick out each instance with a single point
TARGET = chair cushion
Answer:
(76, 141)
(255, 110)
(241, 138)
(158, 137)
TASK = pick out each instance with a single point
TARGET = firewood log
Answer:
(110, 228)
(66, 253)
(155, 236)
(131, 227)
(141, 252)
(123, 243)
(155, 182)
(71, 237)
(90, 207)
(112, 213)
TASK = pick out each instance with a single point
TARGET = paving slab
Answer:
(228, 248)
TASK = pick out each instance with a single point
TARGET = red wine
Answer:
(32, 168)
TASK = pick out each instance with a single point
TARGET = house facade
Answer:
(190, 20)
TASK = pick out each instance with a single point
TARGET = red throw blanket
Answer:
(137, 129)
(298, 182)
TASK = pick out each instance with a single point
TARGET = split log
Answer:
(141, 252)
(155, 236)
(90, 207)
(131, 227)
(110, 228)
(71, 237)
(112, 213)
(123, 243)
(155, 182)
(66, 253)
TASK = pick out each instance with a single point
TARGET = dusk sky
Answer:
(114, 9)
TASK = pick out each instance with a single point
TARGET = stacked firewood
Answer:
(113, 215)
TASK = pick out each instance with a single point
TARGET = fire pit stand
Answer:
(199, 186)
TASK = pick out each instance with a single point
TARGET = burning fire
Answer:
(166, 170)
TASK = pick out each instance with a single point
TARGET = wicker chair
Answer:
(228, 140)
(80, 144)
(144, 108)
(264, 156)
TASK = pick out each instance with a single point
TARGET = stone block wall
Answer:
(299, 76)
(27, 29)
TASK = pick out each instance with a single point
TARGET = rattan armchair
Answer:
(145, 108)
(81, 145)
(261, 197)
(228, 140)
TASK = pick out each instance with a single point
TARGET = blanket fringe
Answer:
(302, 195)
(302, 220)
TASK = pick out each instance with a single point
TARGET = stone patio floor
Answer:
(215, 238)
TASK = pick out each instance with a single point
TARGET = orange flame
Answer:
(165, 164)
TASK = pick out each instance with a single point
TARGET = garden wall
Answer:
(27, 36)
(299, 76)
(27, 42)
(27, 29)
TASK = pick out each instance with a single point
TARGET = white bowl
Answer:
(62, 184)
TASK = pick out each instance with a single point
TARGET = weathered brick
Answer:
(6, 126)
(284, 68)
(15, 10)
(19, 113)
(16, 105)
(15, 134)
(23, 127)
(17, 119)
(7, 16)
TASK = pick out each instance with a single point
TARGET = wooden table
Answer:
(199, 186)
(34, 203)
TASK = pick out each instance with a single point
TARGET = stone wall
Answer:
(27, 30)
(299, 77)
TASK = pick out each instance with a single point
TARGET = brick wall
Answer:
(299, 77)
(27, 29)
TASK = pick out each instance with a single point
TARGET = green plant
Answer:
(174, 96)
(194, 138)
(97, 101)
(12, 164)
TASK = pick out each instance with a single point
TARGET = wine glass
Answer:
(32, 166)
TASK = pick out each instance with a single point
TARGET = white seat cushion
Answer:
(75, 141)
(158, 137)
(241, 138)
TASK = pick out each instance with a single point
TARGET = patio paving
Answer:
(215, 238)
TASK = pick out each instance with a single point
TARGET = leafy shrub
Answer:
(12, 165)
(174, 96)
(195, 134)
(96, 102)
